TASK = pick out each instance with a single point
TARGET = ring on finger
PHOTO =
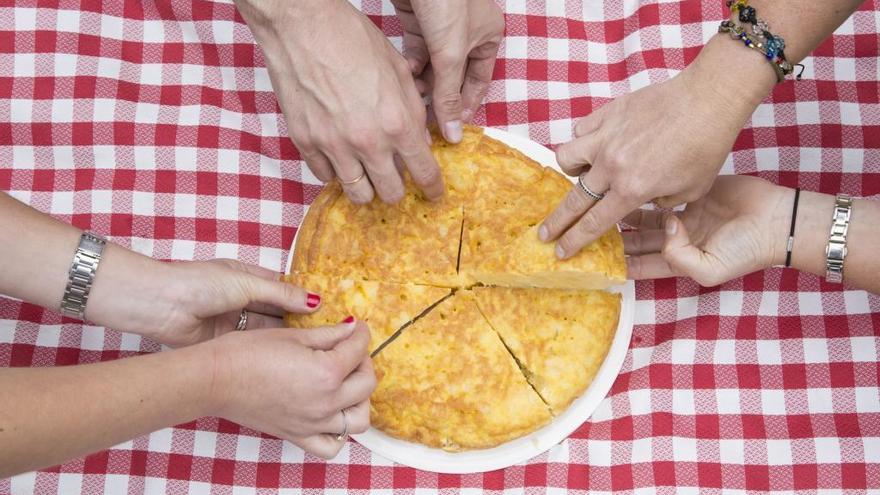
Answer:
(589, 192)
(242, 321)
(353, 181)
(344, 435)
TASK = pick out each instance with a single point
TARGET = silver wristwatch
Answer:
(82, 275)
(835, 251)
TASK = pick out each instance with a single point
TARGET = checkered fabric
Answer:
(154, 123)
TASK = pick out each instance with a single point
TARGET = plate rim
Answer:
(545, 438)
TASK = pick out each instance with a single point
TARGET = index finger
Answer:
(349, 352)
(595, 222)
(422, 166)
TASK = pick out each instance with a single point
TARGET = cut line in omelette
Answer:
(384, 306)
(560, 337)
(448, 382)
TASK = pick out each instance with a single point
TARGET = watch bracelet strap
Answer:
(81, 275)
(835, 251)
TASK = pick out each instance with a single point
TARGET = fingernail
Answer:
(313, 300)
(350, 319)
(543, 233)
(560, 253)
(453, 131)
(671, 226)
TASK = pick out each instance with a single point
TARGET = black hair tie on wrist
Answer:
(797, 194)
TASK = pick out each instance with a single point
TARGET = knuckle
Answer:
(563, 155)
(328, 377)
(365, 139)
(396, 124)
(449, 102)
(425, 175)
(449, 56)
(575, 203)
(588, 226)
(359, 422)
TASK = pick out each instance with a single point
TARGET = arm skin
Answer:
(66, 412)
(861, 267)
(667, 142)
(129, 288)
(741, 226)
(295, 391)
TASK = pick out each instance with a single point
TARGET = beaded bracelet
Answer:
(769, 45)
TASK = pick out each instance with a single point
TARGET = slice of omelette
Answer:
(414, 241)
(448, 382)
(500, 245)
(384, 306)
(529, 262)
(560, 337)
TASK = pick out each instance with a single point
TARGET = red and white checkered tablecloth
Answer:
(155, 123)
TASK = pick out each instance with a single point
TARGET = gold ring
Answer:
(344, 435)
(353, 181)
(242, 321)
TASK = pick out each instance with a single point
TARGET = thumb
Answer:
(325, 338)
(446, 99)
(684, 257)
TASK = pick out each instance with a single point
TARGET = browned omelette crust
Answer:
(384, 306)
(560, 337)
(303, 256)
(448, 382)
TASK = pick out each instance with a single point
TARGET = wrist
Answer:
(217, 356)
(737, 77)
(811, 234)
(134, 293)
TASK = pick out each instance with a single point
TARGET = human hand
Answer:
(739, 227)
(349, 99)
(665, 142)
(203, 299)
(293, 384)
(451, 46)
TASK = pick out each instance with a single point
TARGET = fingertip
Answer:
(543, 233)
(560, 252)
(313, 301)
(452, 131)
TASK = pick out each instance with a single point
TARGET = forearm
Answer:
(862, 265)
(741, 77)
(50, 415)
(37, 251)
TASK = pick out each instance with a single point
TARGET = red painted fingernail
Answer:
(313, 300)
(350, 319)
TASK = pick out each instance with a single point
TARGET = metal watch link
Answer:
(835, 251)
(82, 275)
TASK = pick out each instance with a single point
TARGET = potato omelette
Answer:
(483, 336)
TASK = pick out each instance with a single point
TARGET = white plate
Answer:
(540, 441)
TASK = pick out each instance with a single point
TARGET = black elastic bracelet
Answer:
(797, 195)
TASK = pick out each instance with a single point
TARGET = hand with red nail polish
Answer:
(208, 297)
(294, 383)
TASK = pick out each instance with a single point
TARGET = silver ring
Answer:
(353, 181)
(242, 321)
(344, 435)
(596, 196)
